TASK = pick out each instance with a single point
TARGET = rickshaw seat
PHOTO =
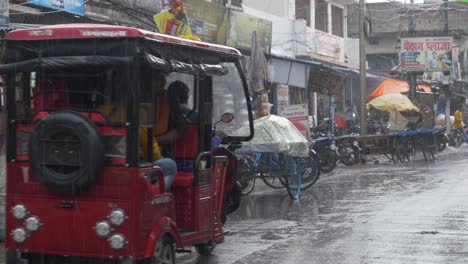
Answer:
(183, 179)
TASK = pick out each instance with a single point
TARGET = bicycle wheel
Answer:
(442, 142)
(456, 138)
(246, 175)
(293, 177)
(310, 170)
(327, 159)
(270, 171)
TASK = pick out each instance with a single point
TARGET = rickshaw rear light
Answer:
(19, 211)
(19, 235)
(117, 241)
(116, 146)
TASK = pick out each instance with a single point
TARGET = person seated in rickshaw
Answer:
(168, 126)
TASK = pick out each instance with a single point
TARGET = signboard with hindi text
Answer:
(426, 54)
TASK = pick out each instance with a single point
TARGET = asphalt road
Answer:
(366, 214)
(371, 214)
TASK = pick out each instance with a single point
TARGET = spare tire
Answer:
(66, 152)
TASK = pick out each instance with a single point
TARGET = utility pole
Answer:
(446, 85)
(362, 67)
(412, 76)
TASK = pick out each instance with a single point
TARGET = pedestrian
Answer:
(458, 124)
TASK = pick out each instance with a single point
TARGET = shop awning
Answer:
(391, 86)
(296, 72)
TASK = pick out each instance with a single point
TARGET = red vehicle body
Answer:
(77, 185)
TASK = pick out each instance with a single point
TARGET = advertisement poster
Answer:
(241, 27)
(298, 115)
(329, 45)
(428, 54)
(208, 21)
(70, 6)
(4, 14)
(282, 92)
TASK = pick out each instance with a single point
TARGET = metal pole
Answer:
(412, 77)
(447, 85)
(362, 67)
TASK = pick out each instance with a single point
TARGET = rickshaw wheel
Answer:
(164, 252)
(205, 249)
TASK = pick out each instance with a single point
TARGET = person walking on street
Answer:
(458, 124)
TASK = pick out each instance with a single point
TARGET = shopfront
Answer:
(306, 92)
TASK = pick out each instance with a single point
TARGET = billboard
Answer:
(207, 20)
(329, 45)
(241, 27)
(70, 6)
(426, 54)
(4, 14)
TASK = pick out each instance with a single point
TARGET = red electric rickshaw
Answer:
(80, 100)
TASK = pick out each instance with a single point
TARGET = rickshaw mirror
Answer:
(227, 118)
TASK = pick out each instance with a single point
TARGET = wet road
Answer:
(371, 214)
(367, 214)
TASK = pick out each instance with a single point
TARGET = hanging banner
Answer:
(428, 54)
(70, 6)
(4, 14)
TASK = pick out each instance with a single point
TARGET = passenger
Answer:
(168, 127)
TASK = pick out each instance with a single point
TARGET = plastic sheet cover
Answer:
(275, 134)
(178, 66)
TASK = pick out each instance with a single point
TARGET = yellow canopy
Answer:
(392, 102)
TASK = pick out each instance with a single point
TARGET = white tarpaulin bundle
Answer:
(275, 134)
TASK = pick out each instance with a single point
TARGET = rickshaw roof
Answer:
(83, 31)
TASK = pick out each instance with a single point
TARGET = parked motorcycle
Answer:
(325, 149)
(348, 150)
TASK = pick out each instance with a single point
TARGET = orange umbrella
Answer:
(391, 86)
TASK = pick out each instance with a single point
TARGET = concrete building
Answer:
(388, 22)
(310, 54)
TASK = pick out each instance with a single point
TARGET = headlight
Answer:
(32, 223)
(102, 229)
(19, 235)
(117, 241)
(117, 217)
(19, 211)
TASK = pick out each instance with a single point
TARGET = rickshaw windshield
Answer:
(229, 97)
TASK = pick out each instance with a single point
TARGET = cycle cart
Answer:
(401, 147)
(279, 155)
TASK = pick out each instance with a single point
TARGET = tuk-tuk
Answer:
(81, 185)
